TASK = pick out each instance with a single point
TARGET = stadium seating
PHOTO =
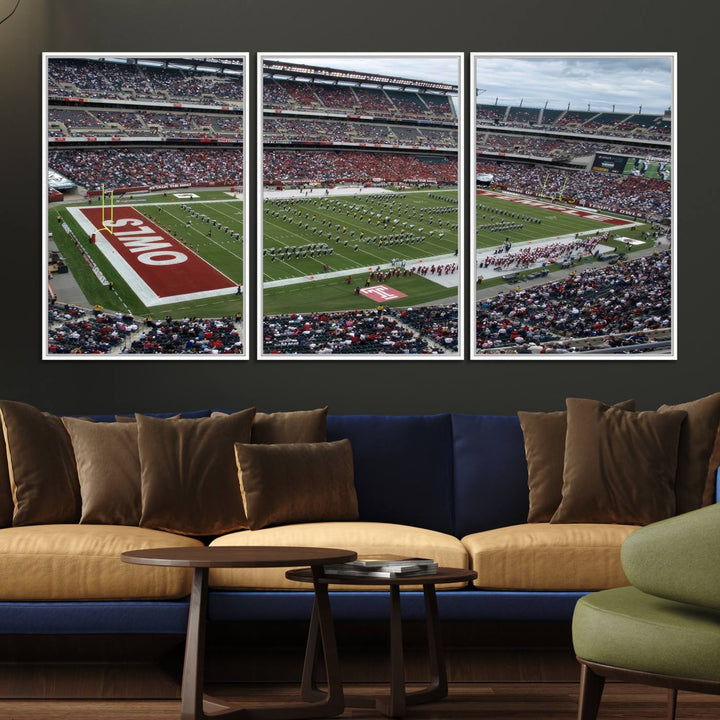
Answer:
(628, 302)
(635, 196)
(119, 167)
(96, 79)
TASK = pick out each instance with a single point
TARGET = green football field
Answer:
(223, 251)
(492, 212)
(323, 241)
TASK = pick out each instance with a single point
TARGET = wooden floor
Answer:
(476, 701)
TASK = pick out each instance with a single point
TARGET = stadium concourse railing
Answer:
(662, 342)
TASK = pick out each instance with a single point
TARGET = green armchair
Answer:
(664, 629)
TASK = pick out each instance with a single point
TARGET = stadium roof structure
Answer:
(279, 69)
(233, 66)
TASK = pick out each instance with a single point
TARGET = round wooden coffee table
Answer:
(201, 559)
(395, 704)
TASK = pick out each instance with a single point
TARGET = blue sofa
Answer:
(454, 474)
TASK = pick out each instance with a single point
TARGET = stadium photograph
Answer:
(574, 245)
(360, 213)
(144, 240)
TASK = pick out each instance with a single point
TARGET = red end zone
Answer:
(152, 261)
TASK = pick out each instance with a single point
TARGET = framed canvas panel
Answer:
(144, 206)
(573, 220)
(360, 217)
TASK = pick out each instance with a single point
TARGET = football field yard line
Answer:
(232, 219)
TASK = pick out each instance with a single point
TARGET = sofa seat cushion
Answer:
(82, 562)
(628, 628)
(544, 556)
(365, 538)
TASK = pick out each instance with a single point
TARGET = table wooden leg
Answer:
(308, 687)
(193, 670)
(394, 705)
(438, 687)
(195, 707)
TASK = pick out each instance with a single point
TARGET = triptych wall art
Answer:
(369, 242)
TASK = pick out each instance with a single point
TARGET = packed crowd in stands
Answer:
(319, 96)
(118, 167)
(289, 129)
(628, 298)
(560, 148)
(73, 121)
(73, 330)
(189, 336)
(625, 194)
(520, 144)
(618, 124)
(351, 166)
(350, 332)
(98, 79)
(437, 322)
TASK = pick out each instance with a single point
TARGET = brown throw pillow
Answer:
(41, 466)
(619, 466)
(297, 426)
(108, 466)
(544, 436)
(297, 483)
(6, 500)
(697, 438)
(188, 474)
(710, 491)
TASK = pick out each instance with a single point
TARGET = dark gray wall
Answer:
(336, 26)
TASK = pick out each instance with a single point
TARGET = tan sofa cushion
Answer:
(82, 562)
(544, 556)
(365, 538)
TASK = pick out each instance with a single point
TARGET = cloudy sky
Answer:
(434, 69)
(626, 82)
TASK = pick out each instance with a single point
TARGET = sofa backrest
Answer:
(403, 467)
(490, 482)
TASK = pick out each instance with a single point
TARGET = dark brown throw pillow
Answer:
(188, 474)
(41, 466)
(296, 426)
(697, 439)
(544, 436)
(6, 500)
(620, 466)
(108, 466)
(297, 483)
(710, 491)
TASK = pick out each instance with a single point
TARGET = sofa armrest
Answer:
(677, 558)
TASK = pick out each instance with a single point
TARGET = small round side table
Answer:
(395, 704)
(201, 559)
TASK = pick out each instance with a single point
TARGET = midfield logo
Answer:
(381, 293)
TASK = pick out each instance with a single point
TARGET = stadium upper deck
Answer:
(635, 126)
(378, 127)
(210, 81)
(304, 88)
